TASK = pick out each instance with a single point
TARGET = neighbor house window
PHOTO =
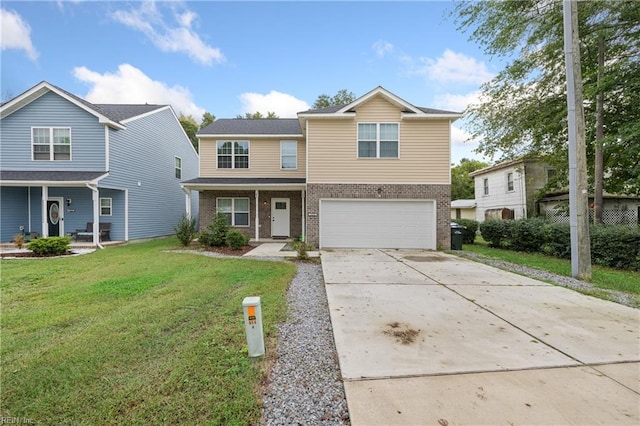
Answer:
(235, 209)
(106, 206)
(51, 143)
(485, 186)
(551, 175)
(289, 155)
(510, 181)
(233, 154)
(178, 167)
(377, 140)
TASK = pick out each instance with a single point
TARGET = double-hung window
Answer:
(288, 155)
(178, 167)
(235, 209)
(233, 154)
(378, 140)
(106, 206)
(51, 143)
(510, 181)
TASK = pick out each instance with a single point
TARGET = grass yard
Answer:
(134, 335)
(603, 277)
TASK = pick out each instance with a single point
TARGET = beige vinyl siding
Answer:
(423, 149)
(264, 159)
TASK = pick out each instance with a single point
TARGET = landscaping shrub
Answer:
(18, 240)
(526, 234)
(468, 234)
(301, 247)
(616, 246)
(495, 232)
(216, 233)
(236, 239)
(52, 246)
(557, 240)
(185, 230)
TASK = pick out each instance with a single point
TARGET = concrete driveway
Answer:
(425, 337)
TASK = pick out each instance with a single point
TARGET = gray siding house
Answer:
(65, 162)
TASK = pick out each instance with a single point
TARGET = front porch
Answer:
(265, 209)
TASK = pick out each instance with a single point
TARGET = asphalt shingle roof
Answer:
(118, 112)
(49, 176)
(262, 126)
(244, 181)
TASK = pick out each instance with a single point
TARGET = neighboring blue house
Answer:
(65, 162)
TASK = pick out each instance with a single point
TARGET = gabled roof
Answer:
(503, 165)
(109, 114)
(408, 110)
(253, 127)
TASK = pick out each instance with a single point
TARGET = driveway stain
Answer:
(403, 333)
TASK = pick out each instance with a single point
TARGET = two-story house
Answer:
(65, 162)
(508, 190)
(371, 174)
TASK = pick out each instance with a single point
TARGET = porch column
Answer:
(95, 197)
(187, 198)
(304, 218)
(45, 224)
(257, 215)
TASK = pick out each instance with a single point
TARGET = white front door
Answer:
(280, 217)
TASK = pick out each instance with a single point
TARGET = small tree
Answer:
(185, 230)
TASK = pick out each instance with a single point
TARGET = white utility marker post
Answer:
(253, 326)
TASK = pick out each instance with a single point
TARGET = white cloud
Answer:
(16, 33)
(284, 105)
(130, 85)
(461, 137)
(450, 67)
(179, 37)
(382, 47)
(458, 103)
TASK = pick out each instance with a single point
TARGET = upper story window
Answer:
(51, 143)
(485, 186)
(178, 167)
(233, 154)
(288, 155)
(378, 140)
(510, 181)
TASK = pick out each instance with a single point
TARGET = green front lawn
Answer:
(134, 335)
(603, 277)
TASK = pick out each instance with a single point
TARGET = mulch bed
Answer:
(222, 250)
(32, 254)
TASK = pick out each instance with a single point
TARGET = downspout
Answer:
(96, 217)
(257, 215)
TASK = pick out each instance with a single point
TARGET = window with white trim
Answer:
(178, 167)
(485, 186)
(51, 143)
(510, 181)
(288, 155)
(106, 206)
(378, 140)
(233, 154)
(235, 209)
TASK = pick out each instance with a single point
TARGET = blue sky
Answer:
(229, 58)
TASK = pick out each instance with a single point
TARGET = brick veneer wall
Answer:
(208, 210)
(438, 192)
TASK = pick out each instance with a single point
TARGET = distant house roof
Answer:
(19, 177)
(110, 114)
(261, 126)
(463, 204)
(503, 165)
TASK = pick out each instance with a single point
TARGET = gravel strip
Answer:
(560, 280)
(305, 385)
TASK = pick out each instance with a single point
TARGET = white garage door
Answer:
(378, 224)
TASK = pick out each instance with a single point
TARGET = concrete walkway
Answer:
(429, 338)
(275, 250)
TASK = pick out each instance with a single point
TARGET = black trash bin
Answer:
(456, 236)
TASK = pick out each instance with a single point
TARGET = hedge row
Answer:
(614, 246)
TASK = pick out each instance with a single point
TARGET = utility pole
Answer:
(578, 189)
